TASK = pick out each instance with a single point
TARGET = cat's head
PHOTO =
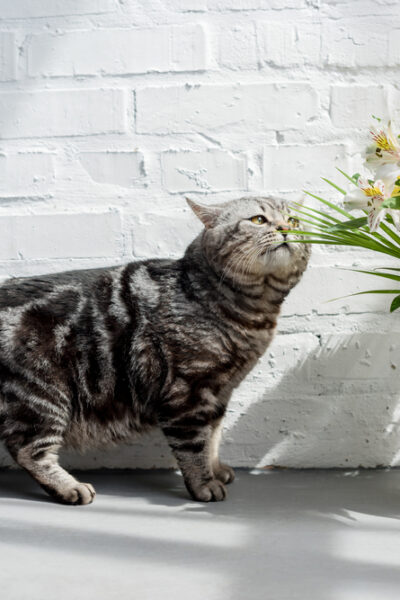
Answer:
(248, 237)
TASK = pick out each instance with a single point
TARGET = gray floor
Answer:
(280, 535)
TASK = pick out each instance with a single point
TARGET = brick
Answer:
(394, 47)
(174, 48)
(353, 105)
(237, 48)
(287, 353)
(89, 235)
(120, 168)
(254, 4)
(355, 43)
(26, 9)
(203, 171)
(293, 167)
(163, 234)
(286, 44)
(357, 9)
(394, 106)
(363, 356)
(191, 5)
(61, 113)
(26, 174)
(8, 57)
(180, 109)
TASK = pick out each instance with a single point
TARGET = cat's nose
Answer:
(283, 228)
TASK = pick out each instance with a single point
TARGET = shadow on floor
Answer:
(281, 534)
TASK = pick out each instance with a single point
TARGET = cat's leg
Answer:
(34, 440)
(192, 446)
(40, 459)
(221, 471)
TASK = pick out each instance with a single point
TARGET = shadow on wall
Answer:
(312, 401)
(337, 405)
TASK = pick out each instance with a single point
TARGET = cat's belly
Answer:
(88, 433)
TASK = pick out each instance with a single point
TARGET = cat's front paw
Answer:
(224, 473)
(79, 493)
(213, 491)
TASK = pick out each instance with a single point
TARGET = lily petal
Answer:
(389, 174)
(375, 216)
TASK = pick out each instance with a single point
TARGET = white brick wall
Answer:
(111, 112)
(287, 43)
(8, 56)
(190, 108)
(61, 113)
(118, 51)
(61, 235)
(203, 171)
(26, 9)
(26, 174)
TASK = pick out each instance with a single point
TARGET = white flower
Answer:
(385, 147)
(371, 194)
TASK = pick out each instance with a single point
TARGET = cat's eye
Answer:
(258, 220)
(295, 223)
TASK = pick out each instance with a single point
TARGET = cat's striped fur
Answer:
(93, 357)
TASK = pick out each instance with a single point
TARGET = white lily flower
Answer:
(385, 147)
(371, 194)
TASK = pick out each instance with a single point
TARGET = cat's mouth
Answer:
(282, 245)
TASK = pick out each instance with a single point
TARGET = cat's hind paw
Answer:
(224, 473)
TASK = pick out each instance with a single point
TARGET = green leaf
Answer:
(354, 237)
(395, 304)
(334, 185)
(376, 292)
(367, 292)
(376, 118)
(352, 224)
(317, 214)
(393, 202)
(386, 269)
(395, 237)
(300, 213)
(386, 275)
(330, 204)
(353, 181)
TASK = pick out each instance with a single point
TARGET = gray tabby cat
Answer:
(92, 357)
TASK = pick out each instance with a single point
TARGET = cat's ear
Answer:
(208, 214)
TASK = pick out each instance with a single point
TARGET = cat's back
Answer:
(20, 291)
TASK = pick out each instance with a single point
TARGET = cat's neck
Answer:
(250, 297)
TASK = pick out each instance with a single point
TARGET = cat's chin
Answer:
(279, 256)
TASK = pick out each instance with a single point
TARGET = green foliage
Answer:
(393, 202)
(395, 304)
(352, 224)
(341, 229)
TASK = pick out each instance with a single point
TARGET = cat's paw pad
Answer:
(80, 493)
(213, 491)
(224, 473)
